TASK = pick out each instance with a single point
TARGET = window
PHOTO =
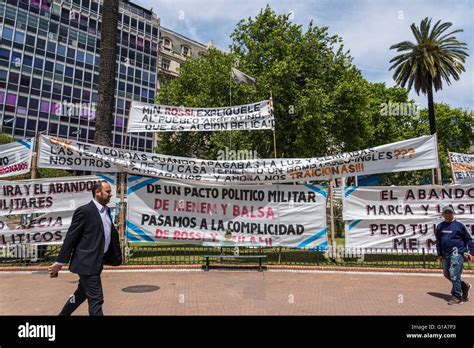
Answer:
(78, 74)
(11, 99)
(165, 63)
(28, 60)
(69, 72)
(46, 86)
(126, 20)
(67, 90)
(89, 58)
(25, 80)
(16, 58)
(44, 106)
(71, 53)
(36, 83)
(39, 63)
(23, 101)
(94, 6)
(4, 54)
(40, 43)
(57, 88)
(59, 68)
(49, 66)
(166, 44)
(34, 103)
(30, 40)
(62, 50)
(7, 34)
(3, 76)
(87, 77)
(186, 51)
(80, 56)
(51, 47)
(14, 77)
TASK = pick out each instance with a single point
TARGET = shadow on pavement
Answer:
(440, 295)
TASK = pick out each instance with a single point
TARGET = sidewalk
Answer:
(224, 292)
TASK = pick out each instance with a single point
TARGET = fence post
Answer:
(424, 258)
(317, 256)
(279, 256)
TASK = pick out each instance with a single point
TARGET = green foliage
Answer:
(434, 57)
(5, 139)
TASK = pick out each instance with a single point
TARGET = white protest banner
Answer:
(162, 118)
(50, 228)
(413, 154)
(397, 234)
(267, 215)
(462, 166)
(49, 195)
(402, 217)
(406, 202)
(15, 158)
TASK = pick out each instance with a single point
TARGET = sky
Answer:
(368, 29)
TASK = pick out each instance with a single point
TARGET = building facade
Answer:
(49, 68)
(175, 49)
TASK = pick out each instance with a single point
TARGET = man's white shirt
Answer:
(106, 223)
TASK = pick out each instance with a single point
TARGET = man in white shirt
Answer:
(90, 242)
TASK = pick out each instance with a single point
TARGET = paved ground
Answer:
(221, 292)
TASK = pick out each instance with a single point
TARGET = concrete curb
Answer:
(268, 267)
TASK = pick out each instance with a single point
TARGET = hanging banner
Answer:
(402, 217)
(46, 229)
(269, 216)
(397, 234)
(406, 202)
(15, 158)
(49, 195)
(162, 118)
(413, 154)
(462, 166)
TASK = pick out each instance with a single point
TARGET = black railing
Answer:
(160, 254)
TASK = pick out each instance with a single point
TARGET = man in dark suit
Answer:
(90, 242)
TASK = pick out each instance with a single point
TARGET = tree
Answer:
(107, 71)
(435, 57)
(319, 96)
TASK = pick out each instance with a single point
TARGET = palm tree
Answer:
(107, 70)
(433, 58)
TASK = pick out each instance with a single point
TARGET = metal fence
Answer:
(157, 254)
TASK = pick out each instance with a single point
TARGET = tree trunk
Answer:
(431, 112)
(107, 70)
(431, 116)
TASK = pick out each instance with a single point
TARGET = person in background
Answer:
(453, 245)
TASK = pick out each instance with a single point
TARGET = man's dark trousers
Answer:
(90, 288)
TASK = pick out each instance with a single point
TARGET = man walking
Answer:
(453, 244)
(90, 242)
